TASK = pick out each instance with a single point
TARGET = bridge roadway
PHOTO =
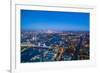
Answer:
(58, 54)
(32, 45)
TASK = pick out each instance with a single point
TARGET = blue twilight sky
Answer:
(52, 20)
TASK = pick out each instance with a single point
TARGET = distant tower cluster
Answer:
(49, 31)
(34, 38)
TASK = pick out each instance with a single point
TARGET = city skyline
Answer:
(52, 20)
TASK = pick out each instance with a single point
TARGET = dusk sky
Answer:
(52, 20)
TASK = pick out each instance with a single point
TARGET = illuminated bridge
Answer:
(32, 45)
